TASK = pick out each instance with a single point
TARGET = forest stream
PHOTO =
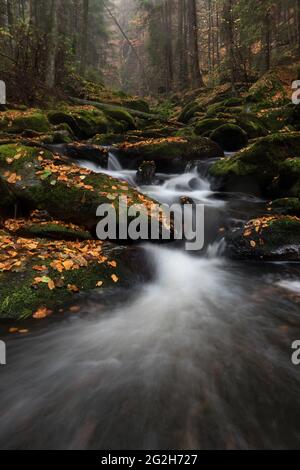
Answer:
(199, 357)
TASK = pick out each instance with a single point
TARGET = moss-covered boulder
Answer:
(189, 111)
(85, 122)
(41, 227)
(169, 152)
(252, 125)
(285, 206)
(230, 137)
(272, 89)
(86, 152)
(120, 118)
(276, 119)
(7, 199)
(16, 122)
(206, 126)
(38, 276)
(266, 238)
(109, 138)
(67, 192)
(260, 164)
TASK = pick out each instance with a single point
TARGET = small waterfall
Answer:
(113, 163)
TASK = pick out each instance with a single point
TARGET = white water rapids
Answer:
(197, 359)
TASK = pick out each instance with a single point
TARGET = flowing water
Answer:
(198, 358)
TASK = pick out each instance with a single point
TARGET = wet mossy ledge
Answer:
(38, 276)
(264, 164)
(271, 238)
(168, 153)
(37, 179)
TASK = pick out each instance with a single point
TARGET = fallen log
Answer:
(133, 112)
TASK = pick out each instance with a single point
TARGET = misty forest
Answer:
(128, 343)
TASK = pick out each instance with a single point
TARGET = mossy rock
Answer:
(252, 125)
(286, 206)
(206, 126)
(288, 181)
(86, 152)
(7, 199)
(189, 111)
(120, 116)
(215, 109)
(230, 137)
(259, 163)
(267, 238)
(17, 122)
(136, 104)
(233, 102)
(276, 119)
(109, 139)
(47, 274)
(67, 192)
(56, 138)
(52, 229)
(169, 152)
(84, 123)
(272, 89)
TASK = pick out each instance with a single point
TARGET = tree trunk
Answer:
(52, 45)
(85, 24)
(196, 76)
(167, 15)
(268, 41)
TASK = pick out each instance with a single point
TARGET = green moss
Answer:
(7, 199)
(121, 116)
(35, 121)
(275, 119)
(19, 300)
(215, 108)
(23, 153)
(263, 161)
(168, 150)
(189, 112)
(208, 125)
(53, 231)
(252, 126)
(269, 238)
(230, 137)
(83, 123)
(286, 206)
(269, 90)
(136, 104)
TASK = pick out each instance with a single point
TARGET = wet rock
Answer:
(272, 89)
(84, 123)
(17, 122)
(42, 275)
(267, 238)
(286, 206)
(37, 226)
(230, 137)
(39, 180)
(146, 174)
(206, 126)
(258, 167)
(7, 199)
(169, 153)
(86, 152)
